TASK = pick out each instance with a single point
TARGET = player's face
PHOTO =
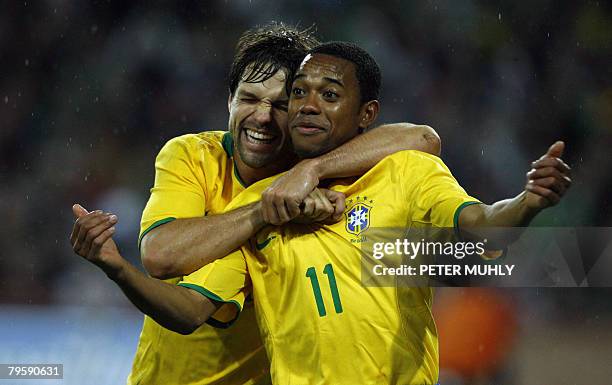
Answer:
(258, 121)
(324, 107)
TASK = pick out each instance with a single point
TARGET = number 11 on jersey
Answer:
(316, 288)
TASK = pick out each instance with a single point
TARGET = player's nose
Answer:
(263, 114)
(310, 105)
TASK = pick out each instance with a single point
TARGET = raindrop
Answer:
(499, 16)
(27, 62)
(5, 99)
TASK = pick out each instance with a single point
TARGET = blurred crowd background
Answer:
(90, 91)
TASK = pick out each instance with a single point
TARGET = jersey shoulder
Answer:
(414, 160)
(201, 152)
(406, 168)
(215, 143)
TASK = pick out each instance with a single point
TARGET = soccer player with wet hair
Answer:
(185, 225)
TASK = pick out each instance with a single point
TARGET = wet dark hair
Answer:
(366, 68)
(263, 50)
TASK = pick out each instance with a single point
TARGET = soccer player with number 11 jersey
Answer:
(319, 323)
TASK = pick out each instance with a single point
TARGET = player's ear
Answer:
(368, 114)
(229, 102)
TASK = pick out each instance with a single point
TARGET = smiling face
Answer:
(325, 108)
(258, 123)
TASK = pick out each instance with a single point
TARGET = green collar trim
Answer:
(228, 145)
(238, 177)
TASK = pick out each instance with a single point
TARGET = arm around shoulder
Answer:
(409, 136)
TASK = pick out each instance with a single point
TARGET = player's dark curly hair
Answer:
(263, 50)
(367, 70)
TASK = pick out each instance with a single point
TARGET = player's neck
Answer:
(250, 175)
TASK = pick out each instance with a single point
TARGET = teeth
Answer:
(259, 135)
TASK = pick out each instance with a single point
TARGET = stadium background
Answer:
(90, 91)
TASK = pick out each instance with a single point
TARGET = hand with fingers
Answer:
(548, 180)
(91, 237)
(322, 206)
(282, 200)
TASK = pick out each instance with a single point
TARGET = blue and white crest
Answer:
(358, 218)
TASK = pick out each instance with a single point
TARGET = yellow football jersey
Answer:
(194, 177)
(320, 324)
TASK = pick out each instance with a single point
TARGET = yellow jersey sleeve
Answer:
(179, 190)
(225, 280)
(435, 195)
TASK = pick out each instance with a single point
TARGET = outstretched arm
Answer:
(282, 200)
(547, 182)
(174, 307)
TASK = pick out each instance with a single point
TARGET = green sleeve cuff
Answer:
(210, 295)
(458, 212)
(154, 225)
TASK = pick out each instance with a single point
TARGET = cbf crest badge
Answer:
(358, 215)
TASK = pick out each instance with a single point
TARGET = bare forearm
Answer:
(174, 307)
(489, 221)
(184, 245)
(364, 151)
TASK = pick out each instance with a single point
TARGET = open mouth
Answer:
(258, 137)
